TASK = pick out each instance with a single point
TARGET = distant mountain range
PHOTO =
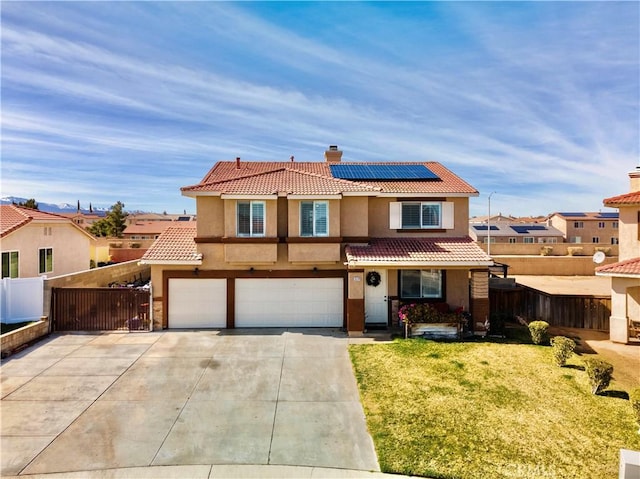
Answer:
(52, 208)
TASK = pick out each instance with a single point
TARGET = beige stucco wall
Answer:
(379, 219)
(558, 249)
(72, 249)
(251, 253)
(458, 288)
(589, 231)
(551, 265)
(629, 233)
(210, 210)
(625, 305)
(355, 216)
(356, 285)
(314, 253)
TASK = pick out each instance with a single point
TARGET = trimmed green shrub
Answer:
(546, 250)
(634, 399)
(600, 373)
(562, 349)
(538, 330)
(575, 250)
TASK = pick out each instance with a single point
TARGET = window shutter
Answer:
(447, 215)
(321, 216)
(395, 215)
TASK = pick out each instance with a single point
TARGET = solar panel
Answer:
(383, 172)
(573, 214)
(524, 229)
(609, 215)
(484, 228)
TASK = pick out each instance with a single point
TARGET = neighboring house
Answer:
(511, 233)
(151, 230)
(587, 227)
(319, 244)
(36, 243)
(84, 220)
(134, 218)
(625, 274)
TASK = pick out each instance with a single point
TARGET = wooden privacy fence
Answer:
(100, 309)
(587, 312)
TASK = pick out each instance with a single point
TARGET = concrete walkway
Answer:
(241, 403)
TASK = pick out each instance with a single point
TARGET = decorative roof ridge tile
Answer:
(243, 177)
(333, 178)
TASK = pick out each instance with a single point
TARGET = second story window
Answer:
(614, 225)
(250, 218)
(614, 240)
(595, 239)
(314, 218)
(600, 224)
(10, 267)
(578, 224)
(420, 215)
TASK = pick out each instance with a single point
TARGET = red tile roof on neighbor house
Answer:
(630, 267)
(315, 178)
(155, 227)
(627, 199)
(418, 252)
(13, 217)
(176, 245)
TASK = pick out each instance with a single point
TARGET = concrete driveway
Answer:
(82, 402)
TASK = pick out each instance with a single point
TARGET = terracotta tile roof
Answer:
(175, 245)
(13, 217)
(630, 267)
(418, 252)
(256, 177)
(632, 198)
(156, 227)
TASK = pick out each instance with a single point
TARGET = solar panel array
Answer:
(609, 215)
(484, 228)
(383, 172)
(578, 215)
(524, 229)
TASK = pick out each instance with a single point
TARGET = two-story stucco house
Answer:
(318, 244)
(587, 227)
(36, 243)
(625, 274)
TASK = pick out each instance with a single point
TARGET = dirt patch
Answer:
(624, 357)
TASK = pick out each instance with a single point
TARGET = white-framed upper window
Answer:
(601, 224)
(314, 218)
(45, 260)
(578, 224)
(595, 239)
(250, 218)
(614, 225)
(10, 264)
(513, 240)
(615, 240)
(412, 215)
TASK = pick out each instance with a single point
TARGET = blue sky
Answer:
(129, 101)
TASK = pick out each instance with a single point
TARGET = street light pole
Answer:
(489, 226)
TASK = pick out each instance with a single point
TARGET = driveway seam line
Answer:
(275, 411)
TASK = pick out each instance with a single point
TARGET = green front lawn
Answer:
(488, 410)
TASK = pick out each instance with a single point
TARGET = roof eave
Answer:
(617, 275)
(430, 264)
(171, 262)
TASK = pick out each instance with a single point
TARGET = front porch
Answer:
(385, 274)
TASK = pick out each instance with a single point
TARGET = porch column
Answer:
(355, 303)
(479, 306)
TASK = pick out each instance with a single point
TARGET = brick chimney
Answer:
(333, 155)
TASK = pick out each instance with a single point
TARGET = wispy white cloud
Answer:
(545, 106)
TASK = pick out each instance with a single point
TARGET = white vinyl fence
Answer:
(21, 299)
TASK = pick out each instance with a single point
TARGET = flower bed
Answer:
(426, 320)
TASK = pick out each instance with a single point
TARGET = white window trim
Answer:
(264, 219)
(440, 292)
(9, 253)
(45, 265)
(313, 209)
(446, 215)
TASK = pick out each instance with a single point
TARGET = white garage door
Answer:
(303, 302)
(197, 303)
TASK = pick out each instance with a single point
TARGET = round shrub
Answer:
(562, 349)
(538, 330)
(634, 398)
(600, 373)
